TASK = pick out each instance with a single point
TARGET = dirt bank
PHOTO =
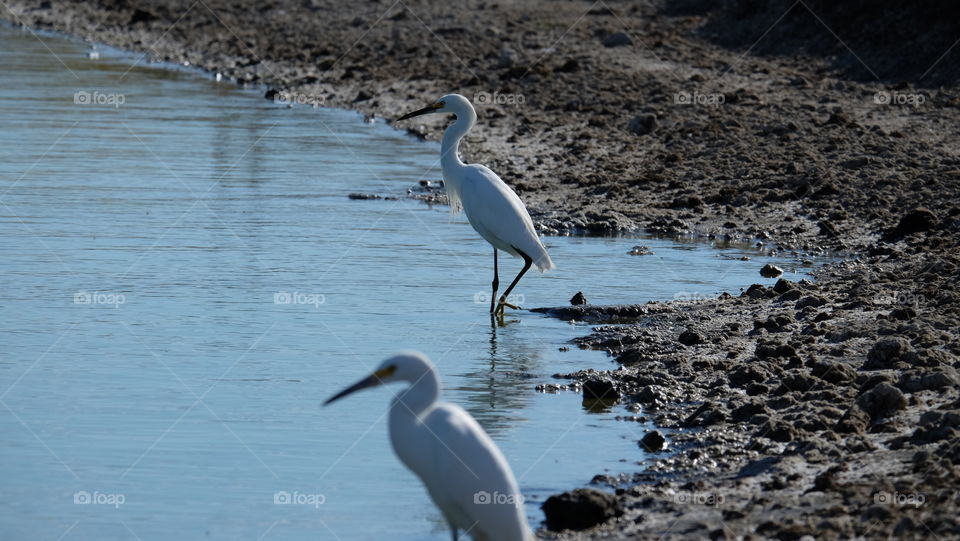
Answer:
(827, 408)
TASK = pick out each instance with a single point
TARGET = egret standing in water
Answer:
(494, 210)
(463, 470)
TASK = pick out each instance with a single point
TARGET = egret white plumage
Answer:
(493, 208)
(464, 471)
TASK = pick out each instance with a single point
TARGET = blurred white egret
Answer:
(494, 210)
(465, 473)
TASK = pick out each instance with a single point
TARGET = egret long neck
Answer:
(451, 139)
(419, 396)
(407, 431)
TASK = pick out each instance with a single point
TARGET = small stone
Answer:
(642, 124)
(652, 441)
(770, 271)
(617, 39)
(600, 389)
(362, 96)
(508, 57)
(640, 250)
(578, 299)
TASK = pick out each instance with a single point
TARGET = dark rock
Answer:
(745, 374)
(827, 229)
(886, 352)
(777, 431)
(783, 285)
(882, 401)
(642, 124)
(770, 271)
(855, 421)
(756, 291)
(810, 300)
(902, 314)
(362, 96)
(141, 16)
(600, 389)
(833, 372)
(826, 481)
(570, 66)
(913, 382)
(915, 221)
(690, 338)
(774, 350)
(791, 295)
(578, 299)
(686, 202)
(617, 39)
(640, 250)
(580, 509)
(652, 441)
(749, 409)
(650, 393)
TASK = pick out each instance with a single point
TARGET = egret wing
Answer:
(498, 214)
(472, 481)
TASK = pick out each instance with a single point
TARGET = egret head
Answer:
(408, 366)
(451, 103)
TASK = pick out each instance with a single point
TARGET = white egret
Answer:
(494, 210)
(463, 470)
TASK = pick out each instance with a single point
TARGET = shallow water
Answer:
(185, 281)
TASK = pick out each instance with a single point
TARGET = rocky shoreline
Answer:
(826, 408)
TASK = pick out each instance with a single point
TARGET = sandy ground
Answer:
(828, 408)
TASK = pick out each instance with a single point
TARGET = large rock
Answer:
(887, 352)
(882, 401)
(580, 509)
(915, 221)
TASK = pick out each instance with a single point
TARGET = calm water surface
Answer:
(184, 281)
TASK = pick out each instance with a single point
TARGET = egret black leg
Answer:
(496, 282)
(455, 533)
(526, 266)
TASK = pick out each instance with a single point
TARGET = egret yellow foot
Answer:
(501, 304)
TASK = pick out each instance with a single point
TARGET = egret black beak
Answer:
(426, 110)
(373, 380)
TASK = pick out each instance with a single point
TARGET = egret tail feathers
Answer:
(543, 262)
